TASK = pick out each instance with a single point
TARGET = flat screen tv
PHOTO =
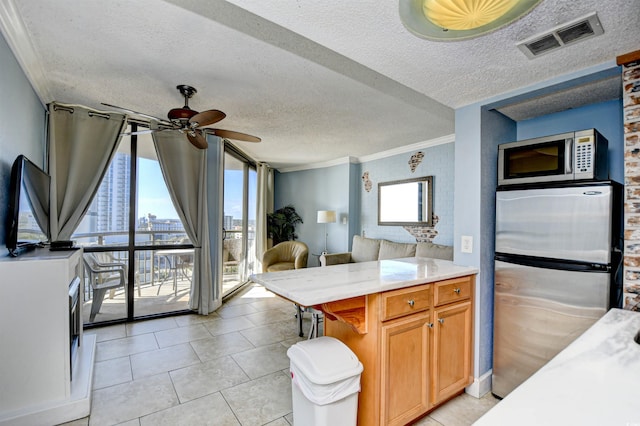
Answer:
(28, 215)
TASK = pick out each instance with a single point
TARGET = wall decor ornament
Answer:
(367, 182)
(415, 160)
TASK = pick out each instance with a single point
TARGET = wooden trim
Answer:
(628, 57)
(406, 301)
(447, 380)
(405, 369)
(352, 312)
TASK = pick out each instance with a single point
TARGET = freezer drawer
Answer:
(569, 222)
(537, 313)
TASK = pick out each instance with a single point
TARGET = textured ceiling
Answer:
(317, 81)
(605, 89)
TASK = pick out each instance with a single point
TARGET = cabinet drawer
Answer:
(452, 291)
(405, 301)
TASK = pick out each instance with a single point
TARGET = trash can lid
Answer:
(324, 360)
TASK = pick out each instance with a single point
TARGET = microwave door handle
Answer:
(568, 160)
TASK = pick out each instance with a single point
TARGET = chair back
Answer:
(292, 252)
(101, 274)
(91, 262)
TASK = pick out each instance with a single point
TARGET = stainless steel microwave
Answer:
(570, 156)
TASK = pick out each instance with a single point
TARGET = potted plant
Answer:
(281, 224)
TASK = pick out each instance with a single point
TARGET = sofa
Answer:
(368, 249)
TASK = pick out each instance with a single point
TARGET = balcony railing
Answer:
(151, 268)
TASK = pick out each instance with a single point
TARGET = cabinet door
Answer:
(405, 368)
(452, 350)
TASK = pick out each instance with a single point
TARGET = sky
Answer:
(154, 198)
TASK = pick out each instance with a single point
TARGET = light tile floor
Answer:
(228, 368)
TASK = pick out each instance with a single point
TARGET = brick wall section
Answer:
(424, 233)
(631, 110)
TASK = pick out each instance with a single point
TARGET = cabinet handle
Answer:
(430, 325)
(441, 320)
(456, 290)
(411, 303)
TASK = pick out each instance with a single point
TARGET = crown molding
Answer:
(324, 164)
(380, 155)
(408, 148)
(19, 40)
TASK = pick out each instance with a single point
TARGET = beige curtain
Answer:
(184, 168)
(215, 186)
(82, 143)
(264, 205)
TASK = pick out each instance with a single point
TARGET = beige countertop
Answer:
(313, 286)
(593, 381)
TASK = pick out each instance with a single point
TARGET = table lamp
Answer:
(326, 216)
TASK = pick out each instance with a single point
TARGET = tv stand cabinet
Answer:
(35, 372)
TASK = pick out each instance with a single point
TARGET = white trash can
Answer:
(325, 381)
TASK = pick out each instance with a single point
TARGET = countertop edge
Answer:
(298, 296)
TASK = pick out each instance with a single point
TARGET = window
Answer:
(158, 279)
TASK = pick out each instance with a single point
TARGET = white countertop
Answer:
(313, 286)
(594, 381)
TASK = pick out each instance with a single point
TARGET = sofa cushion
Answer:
(437, 251)
(328, 259)
(391, 250)
(364, 249)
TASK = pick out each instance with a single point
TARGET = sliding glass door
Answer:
(139, 261)
(239, 221)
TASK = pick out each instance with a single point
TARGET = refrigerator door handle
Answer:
(547, 263)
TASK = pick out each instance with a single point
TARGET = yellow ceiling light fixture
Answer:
(465, 14)
(460, 19)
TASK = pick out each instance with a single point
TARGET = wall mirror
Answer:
(406, 202)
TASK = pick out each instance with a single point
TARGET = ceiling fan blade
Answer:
(230, 134)
(206, 118)
(141, 114)
(198, 140)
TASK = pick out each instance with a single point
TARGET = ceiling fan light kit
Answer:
(178, 115)
(450, 20)
(190, 122)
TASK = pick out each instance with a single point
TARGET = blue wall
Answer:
(438, 162)
(318, 189)
(606, 117)
(479, 129)
(22, 126)
(341, 188)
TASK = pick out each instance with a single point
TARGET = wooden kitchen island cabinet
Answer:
(409, 321)
(415, 344)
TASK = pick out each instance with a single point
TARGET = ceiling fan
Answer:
(189, 122)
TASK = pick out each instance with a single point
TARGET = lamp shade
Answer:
(326, 216)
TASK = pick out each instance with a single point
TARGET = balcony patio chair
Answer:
(103, 276)
(229, 262)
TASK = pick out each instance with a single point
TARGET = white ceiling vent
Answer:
(562, 35)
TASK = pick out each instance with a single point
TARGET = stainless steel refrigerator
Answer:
(557, 256)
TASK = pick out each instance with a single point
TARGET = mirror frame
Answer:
(428, 180)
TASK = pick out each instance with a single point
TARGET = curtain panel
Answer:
(215, 186)
(264, 205)
(82, 143)
(184, 169)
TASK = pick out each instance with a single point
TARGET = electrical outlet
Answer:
(467, 244)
